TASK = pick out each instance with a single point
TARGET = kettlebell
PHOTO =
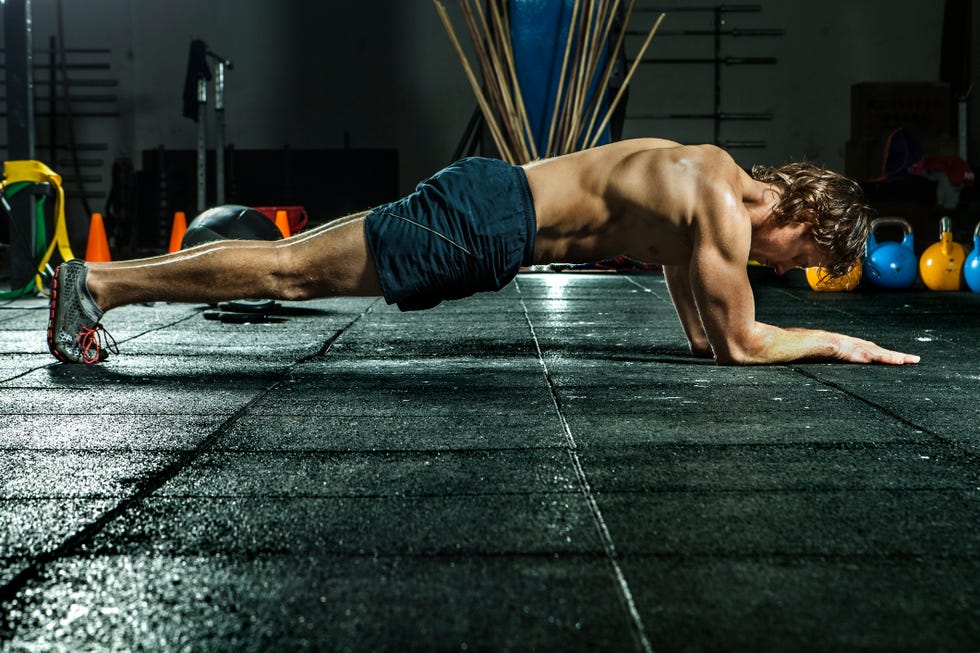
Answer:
(890, 264)
(971, 269)
(941, 264)
(820, 281)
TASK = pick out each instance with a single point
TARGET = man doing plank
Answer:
(470, 228)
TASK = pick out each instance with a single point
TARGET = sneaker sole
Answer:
(53, 312)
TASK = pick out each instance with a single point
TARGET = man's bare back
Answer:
(641, 198)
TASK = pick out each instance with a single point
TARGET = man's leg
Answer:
(330, 260)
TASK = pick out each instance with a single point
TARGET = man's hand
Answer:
(855, 350)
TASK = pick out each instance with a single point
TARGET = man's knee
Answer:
(292, 278)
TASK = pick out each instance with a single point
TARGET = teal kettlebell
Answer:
(971, 268)
(891, 264)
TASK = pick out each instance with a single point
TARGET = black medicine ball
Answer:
(229, 222)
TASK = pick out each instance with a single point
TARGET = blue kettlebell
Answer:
(891, 264)
(971, 268)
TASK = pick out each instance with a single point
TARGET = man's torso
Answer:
(640, 197)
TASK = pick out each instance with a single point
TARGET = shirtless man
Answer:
(473, 225)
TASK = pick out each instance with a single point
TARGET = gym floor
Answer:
(543, 469)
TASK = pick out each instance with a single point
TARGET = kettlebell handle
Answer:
(976, 231)
(898, 222)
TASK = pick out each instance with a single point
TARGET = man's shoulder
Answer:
(709, 159)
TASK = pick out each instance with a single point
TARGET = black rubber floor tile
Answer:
(11, 567)
(679, 373)
(23, 314)
(607, 340)
(248, 342)
(123, 400)
(540, 524)
(14, 366)
(24, 342)
(738, 467)
(878, 523)
(429, 325)
(807, 604)
(504, 302)
(323, 603)
(352, 371)
(30, 527)
(671, 402)
(159, 373)
(443, 401)
(395, 432)
(922, 379)
(32, 474)
(410, 348)
(376, 474)
(559, 312)
(774, 426)
(105, 432)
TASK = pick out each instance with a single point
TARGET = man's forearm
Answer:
(768, 344)
(679, 286)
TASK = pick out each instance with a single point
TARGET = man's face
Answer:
(787, 247)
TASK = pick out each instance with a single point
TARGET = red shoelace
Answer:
(92, 340)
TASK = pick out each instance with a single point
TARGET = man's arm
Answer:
(678, 278)
(725, 303)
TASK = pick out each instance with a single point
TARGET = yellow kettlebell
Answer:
(821, 281)
(941, 265)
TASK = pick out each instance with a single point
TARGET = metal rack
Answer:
(92, 94)
(719, 61)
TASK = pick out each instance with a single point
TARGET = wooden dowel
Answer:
(629, 76)
(503, 28)
(481, 100)
(610, 66)
(602, 50)
(494, 76)
(561, 81)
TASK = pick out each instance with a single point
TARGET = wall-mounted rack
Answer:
(719, 61)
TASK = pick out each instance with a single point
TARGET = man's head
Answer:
(832, 206)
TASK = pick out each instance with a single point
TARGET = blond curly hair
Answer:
(831, 204)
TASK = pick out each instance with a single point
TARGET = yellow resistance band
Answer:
(35, 171)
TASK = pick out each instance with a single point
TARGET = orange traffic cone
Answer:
(177, 231)
(282, 221)
(97, 248)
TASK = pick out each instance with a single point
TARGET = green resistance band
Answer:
(40, 239)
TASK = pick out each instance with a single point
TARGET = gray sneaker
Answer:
(74, 332)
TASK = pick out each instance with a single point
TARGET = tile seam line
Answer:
(626, 594)
(71, 544)
(887, 412)
(6, 381)
(629, 278)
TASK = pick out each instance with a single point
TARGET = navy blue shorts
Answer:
(466, 229)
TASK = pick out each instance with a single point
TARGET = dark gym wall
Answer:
(384, 72)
